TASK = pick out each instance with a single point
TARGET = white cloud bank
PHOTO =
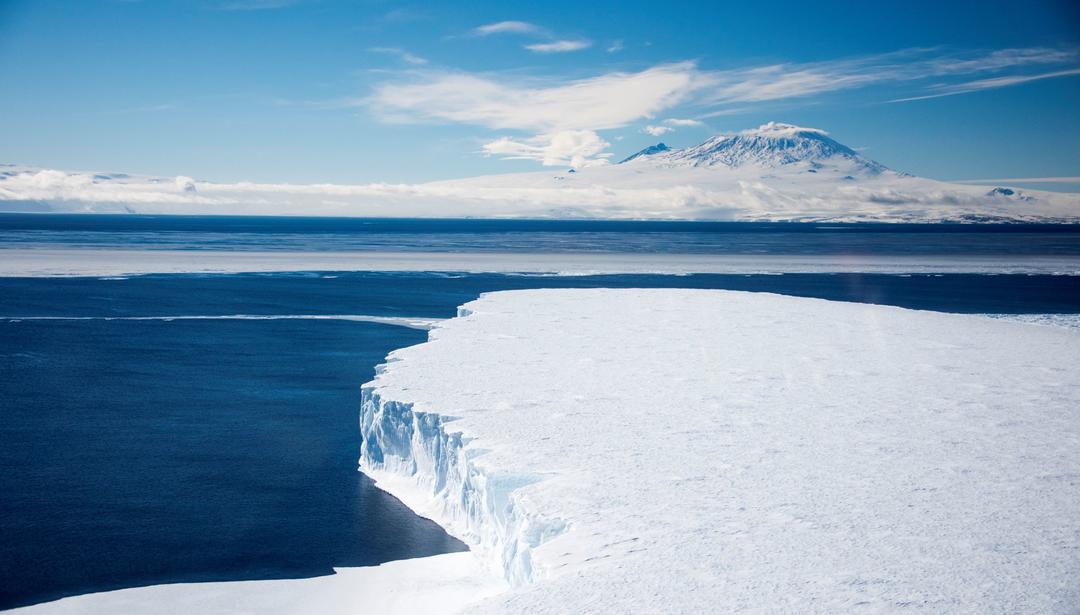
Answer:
(607, 101)
(558, 113)
(576, 148)
(631, 191)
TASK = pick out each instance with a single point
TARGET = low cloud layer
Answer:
(608, 192)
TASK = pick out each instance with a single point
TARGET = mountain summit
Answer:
(771, 145)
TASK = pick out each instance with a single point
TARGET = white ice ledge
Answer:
(711, 451)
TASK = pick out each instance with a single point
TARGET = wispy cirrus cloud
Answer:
(1001, 59)
(403, 55)
(508, 27)
(553, 44)
(684, 123)
(988, 84)
(669, 125)
(256, 5)
(559, 46)
(1072, 179)
(909, 66)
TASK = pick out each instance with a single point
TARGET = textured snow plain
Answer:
(687, 451)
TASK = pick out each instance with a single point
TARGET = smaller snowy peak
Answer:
(659, 148)
(1008, 193)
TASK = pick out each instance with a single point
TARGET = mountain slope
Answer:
(652, 150)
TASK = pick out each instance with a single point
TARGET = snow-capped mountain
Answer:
(771, 145)
(774, 172)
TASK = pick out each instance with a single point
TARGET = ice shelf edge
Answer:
(433, 470)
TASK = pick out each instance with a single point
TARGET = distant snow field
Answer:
(688, 451)
(48, 262)
(774, 172)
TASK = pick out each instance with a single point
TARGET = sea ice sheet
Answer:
(688, 451)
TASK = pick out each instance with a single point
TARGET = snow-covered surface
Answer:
(38, 262)
(686, 451)
(774, 172)
(436, 585)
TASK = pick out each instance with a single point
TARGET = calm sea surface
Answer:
(135, 452)
(342, 234)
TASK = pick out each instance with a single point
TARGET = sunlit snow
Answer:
(712, 451)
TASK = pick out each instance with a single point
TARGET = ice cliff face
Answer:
(419, 458)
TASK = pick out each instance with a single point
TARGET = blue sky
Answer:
(353, 91)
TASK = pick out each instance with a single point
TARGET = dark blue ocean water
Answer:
(343, 234)
(136, 452)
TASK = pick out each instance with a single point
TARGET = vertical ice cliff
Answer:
(418, 458)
